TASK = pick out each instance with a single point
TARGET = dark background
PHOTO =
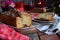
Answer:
(50, 2)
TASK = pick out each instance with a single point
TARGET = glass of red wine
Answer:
(28, 4)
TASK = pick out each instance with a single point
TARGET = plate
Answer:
(43, 22)
(25, 30)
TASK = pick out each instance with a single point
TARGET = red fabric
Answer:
(7, 33)
(19, 6)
